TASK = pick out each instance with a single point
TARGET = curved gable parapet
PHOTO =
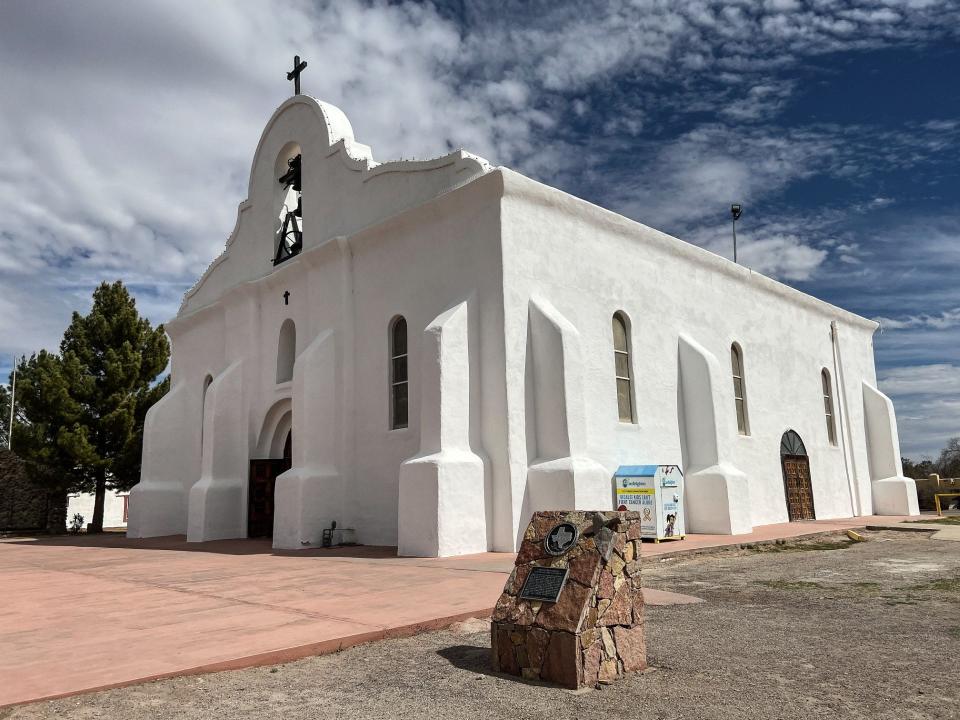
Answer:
(464, 162)
(338, 129)
(344, 191)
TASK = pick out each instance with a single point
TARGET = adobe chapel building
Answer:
(429, 351)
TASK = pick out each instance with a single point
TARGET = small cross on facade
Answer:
(286, 297)
(298, 67)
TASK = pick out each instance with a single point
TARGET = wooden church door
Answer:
(796, 477)
(263, 480)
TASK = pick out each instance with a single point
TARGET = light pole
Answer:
(735, 211)
(13, 399)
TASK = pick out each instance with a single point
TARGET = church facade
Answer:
(427, 352)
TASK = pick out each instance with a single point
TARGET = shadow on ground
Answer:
(178, 543)
(476, 659)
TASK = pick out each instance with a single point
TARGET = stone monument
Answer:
(572, 611)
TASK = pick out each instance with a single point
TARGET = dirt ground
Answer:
(818, 629)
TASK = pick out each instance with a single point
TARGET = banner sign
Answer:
(656, 492)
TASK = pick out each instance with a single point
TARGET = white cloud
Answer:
(696, 175)
(781, 256)
(922, 380)
(782, 5)
(927, 399)
(941, 321)
(760, 101)
(508, 93)
(128, 128)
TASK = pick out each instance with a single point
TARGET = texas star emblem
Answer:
(561, 538)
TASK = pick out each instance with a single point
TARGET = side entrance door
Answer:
(796, 476)
(263, 478)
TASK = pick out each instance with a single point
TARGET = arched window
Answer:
(286, 351)
(828, 405)
(203, 408)
(621, 360)
(399, 383)
(739, 389)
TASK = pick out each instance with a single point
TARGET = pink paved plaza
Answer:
(81, 613)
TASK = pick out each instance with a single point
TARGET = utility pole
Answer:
(735, 211)
(13, 399)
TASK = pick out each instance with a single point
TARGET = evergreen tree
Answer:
(84, 409)
(948, 464)
(4, 415)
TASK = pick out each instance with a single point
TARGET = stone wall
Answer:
(594, 632)
(25, 507)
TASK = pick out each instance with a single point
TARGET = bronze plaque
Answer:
(544, 584)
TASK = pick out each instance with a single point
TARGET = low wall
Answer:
(23, 506)
(927, 488)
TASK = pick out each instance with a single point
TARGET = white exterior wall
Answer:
(508, 288)
(420, 265)
(344, 292)
(83, 503)
(590, 263)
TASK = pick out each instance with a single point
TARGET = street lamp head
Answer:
(735, 210)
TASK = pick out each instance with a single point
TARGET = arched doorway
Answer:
(276, 440)
(796, 477)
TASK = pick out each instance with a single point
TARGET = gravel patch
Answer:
(842, 630)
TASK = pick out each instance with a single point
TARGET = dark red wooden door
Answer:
(796, 478)
(263, 477)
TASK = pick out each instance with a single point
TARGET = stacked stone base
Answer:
(571, 660)
(594, 633)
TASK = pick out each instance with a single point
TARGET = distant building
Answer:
(429, 351)
(115, 506)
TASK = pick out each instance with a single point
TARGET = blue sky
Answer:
(127, 130)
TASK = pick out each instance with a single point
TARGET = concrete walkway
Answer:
(83, 613)
(770, 533)
(941, 531)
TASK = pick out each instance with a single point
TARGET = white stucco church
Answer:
(429, 351)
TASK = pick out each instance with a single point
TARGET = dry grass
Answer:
(950, 585)
(948, 520)
(789, 584)
(802, 546)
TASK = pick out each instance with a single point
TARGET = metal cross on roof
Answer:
(298, 67)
